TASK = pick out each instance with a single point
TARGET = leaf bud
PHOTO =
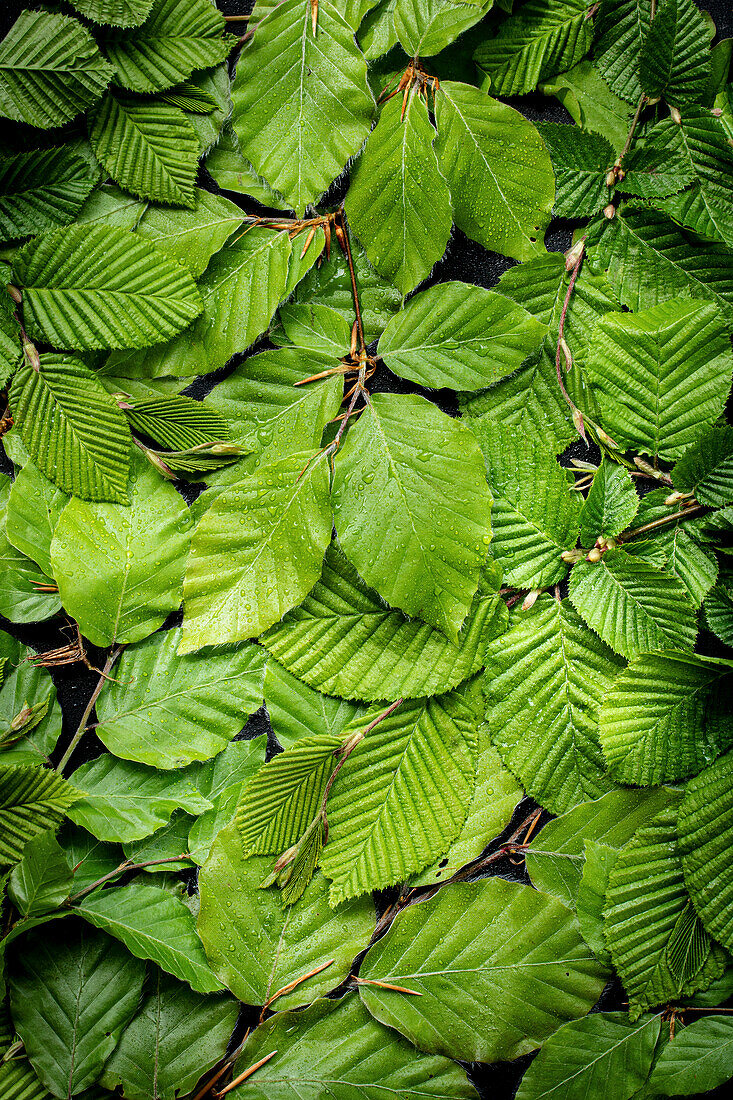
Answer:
(579, 424)
(609, 211)
(572, 556)
(530, 599)
(675, 115)
(611, 179)
(604, 437)
(14, 293)
(675, 498)
(594, 555)
(573, 254)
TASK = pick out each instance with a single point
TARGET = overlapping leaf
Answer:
(41, 190)
(610, 506)
(32, 800)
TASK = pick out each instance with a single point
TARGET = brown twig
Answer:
(81, 728)
(126, 865)
(655, 523)
(247, 1073)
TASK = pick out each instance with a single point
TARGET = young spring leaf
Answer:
(498, 170)
(42, 879)
(611, 504)
(120, 13)
(706, 468)
(233, 172)
(581, 162)
(295, 709)
(459, 336)
(301, 140)
(700, 1058)
(315, 327)
(425, 27)
(167, 711)
(50, 70)
(222, 781)
(675, 59)
(41, 190)
(32, 800)
(398, 202)
(192, 237)
(412, 508)
(544, 684)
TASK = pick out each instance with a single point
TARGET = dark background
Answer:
(464, 260)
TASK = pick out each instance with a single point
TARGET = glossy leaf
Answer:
(706, 468)
(610, 506)
(296, 710)
(34, 508)
(191, 238)
(42, 879)
(42, 189)
(699, 1059)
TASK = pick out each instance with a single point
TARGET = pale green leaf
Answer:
(21, 599)
(315, 327)
(591, 103)
(591, 897)
(233, 172)
(698, 1059)
(28, 686)
(42, 189)
(377, 34)
(675, 59)
(109, 205)
(425, 27)
(419, 476)
(301, 140)
(611, 504)
(174, 421)
(490, 945)
(222, 781)
(297, 710)
(215, 85)
(34, 508)
(706, 467)
(32, 800)
(498, 170)
(18, 1081)
(90, 858)
(170, 842)
(42, 879)
(192, 237)
(120, 13)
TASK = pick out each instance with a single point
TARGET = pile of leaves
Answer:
(369, 529)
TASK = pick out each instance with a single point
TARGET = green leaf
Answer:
(621, 27)
(241, 289)
(610, 505)
(72, 995)
(425, 27)
(177, 38)
(257, 946)
(498, 170)
(345, 640)
(700, 144)
(591, 897)
(591, 103)
(42, 879)
(296, 710)
(675, 59)
(34, 508)
(74, 431)
(719, 613)
(257, 551)
(174, 1039)
(233, 172)
(631, 605)
(120, 568)
(534, 516)
(312, 1059)
(706, 467)
(109, 205)
(19, 1081)
(41, 190)
(315, 327)
(28, 687)
(398, 202)
(120, 13)
(147, 146)
(192, 237)
(167, 711)
(646, 909)
(662, 375)
(402, 795)
(543, 685)
(50, 70)
(32, 800)
(173, 421)
(101, 287)
(545, 38)
(665, 718)
(586, 1055)
(656, 166)
(222, 781)
(508, 938)
(419, 474)
(459, 336)
(124, 801)
(377, 34)
(676, 547)
(581, 162)
(21, 599)
(301, 140)
(153, 924)
(698, 1059)
(705, 827)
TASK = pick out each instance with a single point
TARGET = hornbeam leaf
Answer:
(32, 800)
(425, 27)
(313, 1059)
(699, 1059)
(459, 336)
(175, 1037)
(544, 684)
(41, 190)
(120, 13)
(398, 202)
(665, 718)
(581, 162)
(257, 946)
(222, 781)
(591, 103)
(706, 467)
(402, 795)
(301, 140)
(19, 1081)
(419, 476)
(345, 640)
(176, 422)
(675, 59)
(74, 431)
(167, 711)
(476, 944)
(719, 613)
(498, 170)
(120, 567)
(72, 995)
(534, 516)
(297, 710)
(192, 237)
(42, 879)
(705, 829)
(611, 503)
(545, 38)
(101, 287)
(153, 924)
(632, 606)
(147, 146)
(621, 27)
(257, 551)
(50, 70)
(584, 1056)
(178, 37)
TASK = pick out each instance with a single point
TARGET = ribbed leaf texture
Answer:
(41, 190)
(177, 38)
(402, 795)
(544, 683)
(581, 161)
(147, 146)
(296, 709)
(706, 468)
(677, 548)
(50, 70)
(665, 718)
(719, 612)
(621, 27)
(700, 1058)
(700, 143)
(302, 140)
(191, 237)
(398, 203)
(534, 515)
(675, 59)
(94, 286)
(18, 1081)
(120, 13)
(634, 607)
(705, 834)
(176, 422)
(345, 640)
(611, 503)
(32, 799)
(425, 27)
(545, 38)
(661, 375)
(74, 431)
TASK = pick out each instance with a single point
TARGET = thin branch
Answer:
(247, 1073)
(81, 728)
(342, 233)
(654, 524)
(126, 865)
